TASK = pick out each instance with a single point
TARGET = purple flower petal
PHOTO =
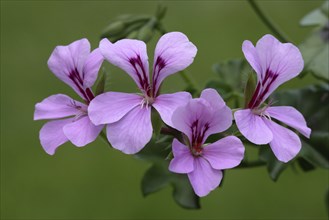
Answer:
(57, 106)
(285, 144)
(131, 56)
(291, 117)
(52, 135)
(198, 119)
(274, 62)
(196, 115)
(213, 98)
(168, 103)
(132, 132)
(225, 153)
(173, 53)
(81, 132)
(183, 161)
(110, 107)
(204, 178)
(65, 60)
(252, 57)
(253, 127)
(91, 67)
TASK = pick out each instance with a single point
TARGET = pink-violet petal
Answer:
(173, 53)
(290, 116)
(131, 56)
(253, 127)
(285, 144)
(204, 178)
(110, 107)
(183, 161)
(166, 104)
(132, 132)
(52, 136)
(225, 153)
(82, 131)
(57, 106)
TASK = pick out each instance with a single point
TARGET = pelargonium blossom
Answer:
(274, 63)
(128, 116)
(203, 164)
(75, 65)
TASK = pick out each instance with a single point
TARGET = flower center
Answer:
(147, 101)
(196, 150)
(262, 112)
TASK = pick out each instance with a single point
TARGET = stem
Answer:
(189, 81)
(267, 21)
(251, 164)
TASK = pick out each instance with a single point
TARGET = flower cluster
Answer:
(128, 116)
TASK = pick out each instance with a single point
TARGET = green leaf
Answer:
(232, 77)
(274, 167)
(313, 156)
(305, 165)
(156, 122)
(154, 179)
(315, 17)
(315, 48)
(183, 193)
(315, 53)
(158, 176)
(249, 89)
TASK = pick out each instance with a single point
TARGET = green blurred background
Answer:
(96, 182)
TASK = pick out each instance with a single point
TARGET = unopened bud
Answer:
(160, 12)
(145, 33)
(113, 29)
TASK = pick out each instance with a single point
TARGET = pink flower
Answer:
(274, 63)
(77, 67)
(203, 163)
(128, 116)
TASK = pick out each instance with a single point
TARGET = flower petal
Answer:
(285, 144)
(173, 53)
(199, 120)
(252, 57)
(213, 98)
(291, 117)
(166, 104)
(91, 67)
(222, 119)
(253, 127)
(110, 107)
(204, 178)
(57, 106)
(65, 59)
(52, 136)
(281, 59)
(225, 153)
(132, 132)
(183, 161)
(131, 56)
(195, 110)
(82, 131)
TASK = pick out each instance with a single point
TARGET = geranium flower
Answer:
(198, 119)
(77, 67)
(128, 116)
(274, 63)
